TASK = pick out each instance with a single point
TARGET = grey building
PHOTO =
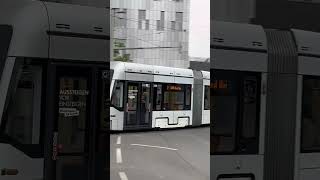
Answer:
(233, 10)
(151, 31)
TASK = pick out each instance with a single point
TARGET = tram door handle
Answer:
(112, 115)
(9, 172)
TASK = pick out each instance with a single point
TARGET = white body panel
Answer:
(29, 168)
(147, 73)
(237, 164)
(116, 118)
(32, 21)
(205, 113)
(241, 47)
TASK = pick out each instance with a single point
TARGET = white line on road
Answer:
(119, 140)
(143, 145)
(119, 156)
(123, 176)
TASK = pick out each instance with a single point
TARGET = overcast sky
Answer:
(200, 28)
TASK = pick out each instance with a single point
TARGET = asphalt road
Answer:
(181, 154)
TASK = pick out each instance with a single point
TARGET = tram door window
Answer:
(132, 104)
(310, 115)
(145, 104)
(138, 112)
(72, 126)
(235, 120)
(78, 123)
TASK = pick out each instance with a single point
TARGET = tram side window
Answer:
(117, 95)
(23, 112)
(236, 113)
(225, 100)
(176, 97)
(171, 97)
(206, 98)
(249, 107)
(157, 104)
(187, 97)
(310, 115)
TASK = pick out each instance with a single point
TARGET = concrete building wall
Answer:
(152, 25)
(241, 11)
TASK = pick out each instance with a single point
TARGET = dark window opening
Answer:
(235, 112)
(310, 125)
(206, 97)
(74, 93)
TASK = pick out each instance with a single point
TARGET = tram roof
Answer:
(238, 35)
(64, 31)
(308, 43)
(151, 69)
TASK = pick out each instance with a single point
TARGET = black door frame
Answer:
(138, 111)
(51, 115)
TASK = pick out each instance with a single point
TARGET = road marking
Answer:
(119, 156)
(123, 176)
(159, 147)
(119, 140)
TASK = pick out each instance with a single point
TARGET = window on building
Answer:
(179, 21)
(161, 22)
(206, 97)
(310, 124)
(147, 24)
(173, 25)
(141, 17)
(159, 25)
(117, 95)
(119, 17)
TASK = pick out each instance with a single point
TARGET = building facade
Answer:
(233, 10)
(152, 32)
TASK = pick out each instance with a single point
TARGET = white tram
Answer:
(54, 91)
(146, 96)
(265, 103)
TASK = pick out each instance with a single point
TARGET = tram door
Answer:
(75, 124)
(138, 109)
